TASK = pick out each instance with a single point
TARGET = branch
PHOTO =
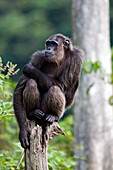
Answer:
(22, 155)
(55, 129)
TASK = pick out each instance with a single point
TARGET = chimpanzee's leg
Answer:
(53, 104)
(31, 100)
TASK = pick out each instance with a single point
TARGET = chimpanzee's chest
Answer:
(49, 68)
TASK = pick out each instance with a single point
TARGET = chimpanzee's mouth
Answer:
(48, 56)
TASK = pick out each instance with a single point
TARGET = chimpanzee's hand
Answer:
(38, 115)
(28, 69)
(24, 138)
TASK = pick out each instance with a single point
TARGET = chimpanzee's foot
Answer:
(38, 115)
(51, 118)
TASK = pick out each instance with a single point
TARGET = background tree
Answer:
(93, 114)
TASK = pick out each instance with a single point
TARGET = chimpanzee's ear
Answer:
(66, 43)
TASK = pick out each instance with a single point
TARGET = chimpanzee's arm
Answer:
(43, 80)
(19, 110)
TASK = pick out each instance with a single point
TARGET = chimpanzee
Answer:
(48, 84)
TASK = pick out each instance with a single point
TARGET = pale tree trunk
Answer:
(36, 154)
(93, 115)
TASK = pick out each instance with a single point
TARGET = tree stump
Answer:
(36, 154)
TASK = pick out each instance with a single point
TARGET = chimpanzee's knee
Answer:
(54, 101)
(31, 84)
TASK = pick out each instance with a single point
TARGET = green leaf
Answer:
(79, 146)
(111, 78)
(111, 100)
(88, 89)
(96, 66)
(87, 66)
(2, 76)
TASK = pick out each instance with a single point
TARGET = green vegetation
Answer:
(60, 150)
(5, 89)
(88, 67)
(8, 125)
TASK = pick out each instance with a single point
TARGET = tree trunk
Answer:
(36, 155)
(93, 115)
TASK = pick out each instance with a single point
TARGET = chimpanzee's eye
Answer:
(48, 43)
(54, 43)
(51, 43)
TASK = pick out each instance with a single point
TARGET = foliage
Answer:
(111, 100)
(8, 126)
(9, 67)
(60, 155)
(60, 151)
(89, 66)
(60, 161)
(112, 58)
(5, 95)
(9, 158)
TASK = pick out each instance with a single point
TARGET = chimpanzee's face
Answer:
(54, 49)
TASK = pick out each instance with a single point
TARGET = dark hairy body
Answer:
(48, 84)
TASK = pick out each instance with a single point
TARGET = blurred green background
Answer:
(26, 24)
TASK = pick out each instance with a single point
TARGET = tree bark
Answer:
(93, 115)
(36, 155)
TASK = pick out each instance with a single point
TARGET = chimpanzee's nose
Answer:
(49, 48)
